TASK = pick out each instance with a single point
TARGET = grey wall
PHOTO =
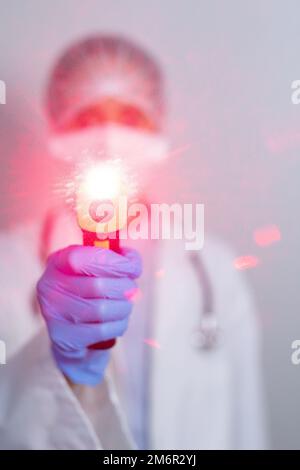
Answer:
(229, 66)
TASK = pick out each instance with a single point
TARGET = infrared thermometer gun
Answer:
(101, 208)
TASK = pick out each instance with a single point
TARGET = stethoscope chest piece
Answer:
(206, 336)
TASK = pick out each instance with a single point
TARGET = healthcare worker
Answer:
(185, 372)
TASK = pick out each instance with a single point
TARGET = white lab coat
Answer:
(197, 399)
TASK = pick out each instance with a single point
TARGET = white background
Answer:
(229, 67)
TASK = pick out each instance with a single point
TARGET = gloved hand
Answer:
(84, 295)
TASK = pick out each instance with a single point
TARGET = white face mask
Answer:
(138, 149)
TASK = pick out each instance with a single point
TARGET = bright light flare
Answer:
(100, 192)
(102, 181)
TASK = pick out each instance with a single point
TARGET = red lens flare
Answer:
(159, 273)
(246, 262)
(268, 235)
(152, 343)
(134, 295)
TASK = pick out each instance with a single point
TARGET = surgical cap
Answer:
(104, 67)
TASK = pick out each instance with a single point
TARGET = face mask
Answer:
(138, 149)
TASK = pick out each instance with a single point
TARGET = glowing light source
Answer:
(102, 190)
(102, 181)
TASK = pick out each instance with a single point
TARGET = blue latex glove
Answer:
(84, 296)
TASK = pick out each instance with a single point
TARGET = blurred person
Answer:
(186, 372)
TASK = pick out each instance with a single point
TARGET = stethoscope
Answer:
(205, 337)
